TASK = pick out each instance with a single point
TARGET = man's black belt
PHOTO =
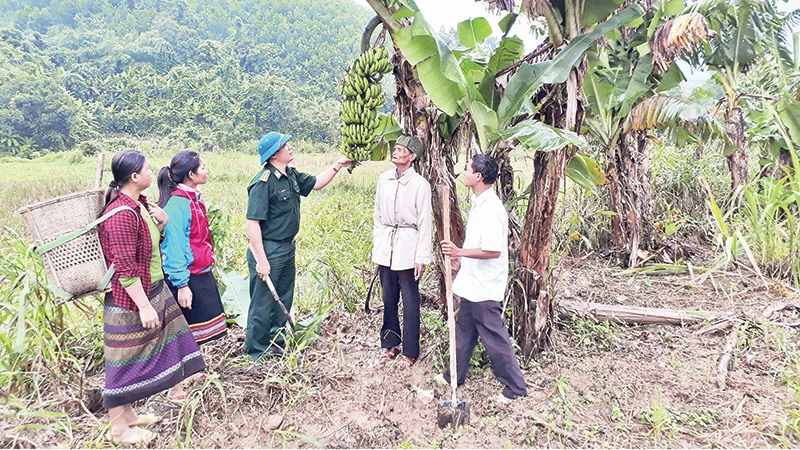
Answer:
(282, 241)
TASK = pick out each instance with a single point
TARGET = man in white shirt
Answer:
(481, 282)
(402, 246)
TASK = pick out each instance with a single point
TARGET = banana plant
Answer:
(744, 32)
(624, 86)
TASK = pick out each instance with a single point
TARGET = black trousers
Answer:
(485, 320)
(393, 282)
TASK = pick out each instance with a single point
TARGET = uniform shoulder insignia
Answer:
(265, 175)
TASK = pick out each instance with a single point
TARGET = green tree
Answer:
(184, 69)
(36, 111)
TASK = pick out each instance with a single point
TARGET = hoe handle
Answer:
(280, 303)
(448, 289)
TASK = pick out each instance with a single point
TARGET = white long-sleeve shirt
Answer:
(402, 228)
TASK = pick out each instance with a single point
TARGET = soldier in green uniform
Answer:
(273, 220)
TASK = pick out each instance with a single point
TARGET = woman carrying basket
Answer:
(188, 248)
(148, 345)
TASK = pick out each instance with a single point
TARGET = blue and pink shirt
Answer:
(187, 245)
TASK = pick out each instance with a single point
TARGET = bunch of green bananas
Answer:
(362, 98)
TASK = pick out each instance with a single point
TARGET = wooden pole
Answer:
(448, 287)
(98, 179)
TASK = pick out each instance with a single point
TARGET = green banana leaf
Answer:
(529, 78)
(508, 52)
(507, 22)
(598, 10)
(671, 78)
(437, 67)
(788, 117)
(472, 70)
(789, 112)
(637, 86)
(485, 119)
(410, 4)
(537, 136)
(585, 172)
(601, 93)
(404, 13)
(236, 297)
(388, 130)
(672, 7)
(473, 32)
(447, 125)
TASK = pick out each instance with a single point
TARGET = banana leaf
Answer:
(530, 77)
(437, 67)
(585, 172)
(473, 32)
(235, 297)
(537, 136)
(508, 52)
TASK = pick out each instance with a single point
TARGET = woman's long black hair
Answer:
(123, 165)
(179, 168)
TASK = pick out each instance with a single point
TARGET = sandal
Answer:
(138, 436)
(391, 353)
(178, 398)
(145, 420)
(196, 379)
(199, 377)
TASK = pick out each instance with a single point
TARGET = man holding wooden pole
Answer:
(481, 282)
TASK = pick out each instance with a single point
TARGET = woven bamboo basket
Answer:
(77, 266)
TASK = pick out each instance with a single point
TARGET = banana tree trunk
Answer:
(737, 160)
(533, 307)
(630, 193)
(507, 193)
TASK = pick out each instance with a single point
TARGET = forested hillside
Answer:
(209, 73)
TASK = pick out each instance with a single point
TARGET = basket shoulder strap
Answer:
(44, 248)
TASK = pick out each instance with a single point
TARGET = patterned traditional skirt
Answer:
(206, 318)
(141, 362)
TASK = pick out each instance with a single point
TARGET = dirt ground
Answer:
(599, 385)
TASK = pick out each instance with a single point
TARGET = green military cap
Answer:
(412, 143)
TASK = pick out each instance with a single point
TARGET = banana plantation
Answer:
(648, 162)
(597, 89)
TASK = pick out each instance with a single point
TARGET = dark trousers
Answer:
(264, 317)
(485, 320)
(393, 282)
